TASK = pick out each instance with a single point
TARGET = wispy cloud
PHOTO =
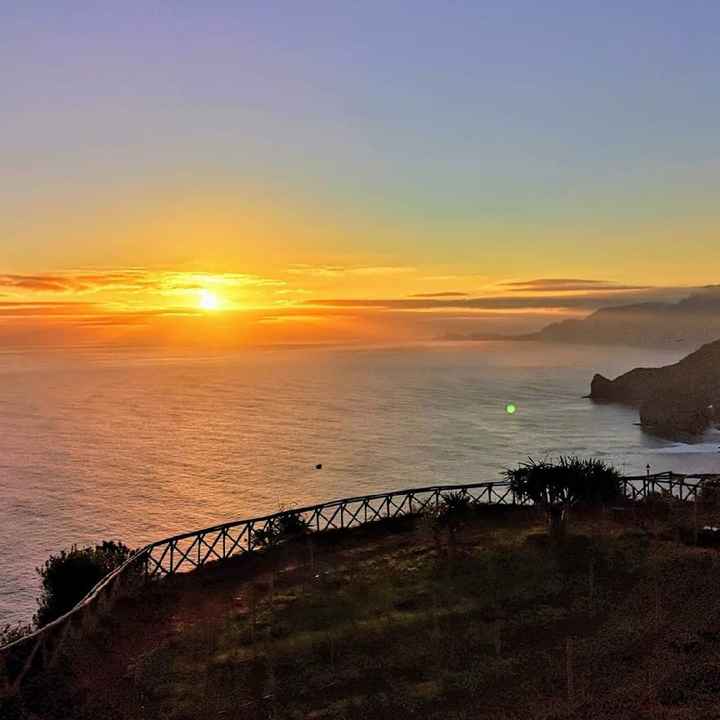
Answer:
(333, 271)
(439, 295)
(75, 282)
(567, 285)
(130, 280)
(589, 301)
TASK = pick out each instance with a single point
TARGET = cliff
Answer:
(679, 399)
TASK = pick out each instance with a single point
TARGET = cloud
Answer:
(130, 280)
(184, 281)
(568, 285)
(79, 282)
(9, 309)
(592, 301)
(329, 271)
(157, 306)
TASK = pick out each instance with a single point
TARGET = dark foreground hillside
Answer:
(621, 620)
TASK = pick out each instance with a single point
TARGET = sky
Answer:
(238, 173)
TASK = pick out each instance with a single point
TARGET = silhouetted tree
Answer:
(70, 575)
(557, 486)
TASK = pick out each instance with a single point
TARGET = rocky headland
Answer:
(675, 400)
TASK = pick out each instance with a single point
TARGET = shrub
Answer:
(454, 507)
(710, 493)
(11, 633)
(291, 524)
(286, 526)
(455, 502)
(557, 486)
(660, 504)
(70, 575)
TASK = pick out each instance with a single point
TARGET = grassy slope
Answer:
(373, 624)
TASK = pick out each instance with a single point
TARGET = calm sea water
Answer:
(139, 446)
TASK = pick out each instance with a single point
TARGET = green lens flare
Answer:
(511, 408)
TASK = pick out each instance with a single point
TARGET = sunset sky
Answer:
(235, 173)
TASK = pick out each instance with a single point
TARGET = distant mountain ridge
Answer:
(687, 323)
(690, 322)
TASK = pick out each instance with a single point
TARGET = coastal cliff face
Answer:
(679, 399)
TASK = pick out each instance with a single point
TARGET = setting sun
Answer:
(209, 300)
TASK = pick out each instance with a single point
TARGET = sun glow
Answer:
(209, 300)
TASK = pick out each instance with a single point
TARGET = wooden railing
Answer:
(189, 551)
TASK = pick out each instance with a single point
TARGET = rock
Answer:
(679, 399)
(677, 415)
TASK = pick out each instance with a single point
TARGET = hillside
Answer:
(396, 622)
(679, 398)
(690, 322)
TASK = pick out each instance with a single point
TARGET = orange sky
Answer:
(326, 173)
(299, 304)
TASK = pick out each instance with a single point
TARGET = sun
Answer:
(209, 300)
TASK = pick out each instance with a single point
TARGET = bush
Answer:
(288, 525)
(557, 486)
(660, 504)
(454, 507)
(69, 576)
(456, 502)
(11, 633)
(710, 494)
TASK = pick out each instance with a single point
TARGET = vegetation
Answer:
(710, 494)
(455, 504)
(558, 486)
(613, 622)
(287, 526)
(9, 632)
(408, 617)
(451, 515)
(70, 575)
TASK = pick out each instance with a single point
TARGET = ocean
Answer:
(136, 446)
